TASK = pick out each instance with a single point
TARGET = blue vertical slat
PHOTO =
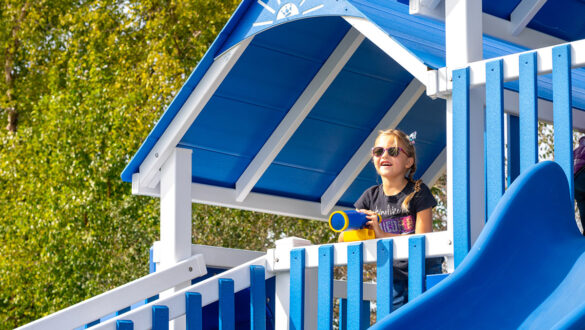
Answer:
(562, 111)
(325, 288)
(354, 285)
(513, 150)
(385, 278)
(416, 266)
(227, 311)
(365, 315)
(257, 298)
(270, 305)
(194, 311)
(297, 289)
(160, 318)
(342, 314)
(494, 125)
(460, 163)
(124, 325)
(528, 111)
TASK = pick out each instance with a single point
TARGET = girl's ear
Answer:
(409, 162)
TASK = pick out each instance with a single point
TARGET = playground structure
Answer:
(279, 117)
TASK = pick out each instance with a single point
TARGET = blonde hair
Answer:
(404, 140)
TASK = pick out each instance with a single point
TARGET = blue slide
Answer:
(526, 270)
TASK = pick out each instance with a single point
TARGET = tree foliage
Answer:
(87, 81)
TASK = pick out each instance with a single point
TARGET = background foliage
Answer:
(83, 84)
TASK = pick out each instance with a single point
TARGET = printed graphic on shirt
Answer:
(401, 225)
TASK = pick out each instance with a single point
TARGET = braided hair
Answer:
(411, 152)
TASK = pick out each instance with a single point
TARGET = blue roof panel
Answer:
(283, 58)
(338, 124)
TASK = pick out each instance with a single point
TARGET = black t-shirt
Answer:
(395, 220)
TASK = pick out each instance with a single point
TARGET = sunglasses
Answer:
(392, 151)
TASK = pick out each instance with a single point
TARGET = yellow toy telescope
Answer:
(351, 223)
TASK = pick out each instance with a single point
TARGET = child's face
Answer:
(391, 166)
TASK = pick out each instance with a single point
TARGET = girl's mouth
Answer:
(385, 164)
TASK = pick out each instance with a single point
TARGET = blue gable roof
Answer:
(291, 42)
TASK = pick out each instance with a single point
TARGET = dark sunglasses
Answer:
(392, 151)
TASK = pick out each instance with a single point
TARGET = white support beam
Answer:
(495, 27)
(149, 170)
(340, 290)
(437, 168)
(219, 257)
(389, 46)
(226, 197)
(510, 67)
(362, 156)
(545, 110)
(523, 14)
(299, 111)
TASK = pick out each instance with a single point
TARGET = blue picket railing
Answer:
(527, 125)
(354, 311)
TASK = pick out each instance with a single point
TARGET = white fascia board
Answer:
(209, 290)
(121, 297)
(219, 257)
(441, 80)
(437, 168)
(437, 245)
(362, 156)
(299, 111)
(523, 14)
(149, 169)
(226, 197)
(495, 27)
(395, 50)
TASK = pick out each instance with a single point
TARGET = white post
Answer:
(175, 215)
(282, 292)
(464, 44)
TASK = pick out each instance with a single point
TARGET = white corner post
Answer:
(175, 209)
(282, 292)
(464, 44)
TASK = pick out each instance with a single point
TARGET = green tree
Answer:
(87, 80)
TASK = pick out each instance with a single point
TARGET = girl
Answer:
(405, 205)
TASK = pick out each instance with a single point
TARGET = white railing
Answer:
(114, 300)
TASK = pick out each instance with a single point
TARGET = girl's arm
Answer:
(374, 225)
(424, 221)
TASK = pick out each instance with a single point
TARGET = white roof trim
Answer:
(299, 111)
(149, 169)
(362, 156)
(226, 197)
(523, 14)
(389, 46)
